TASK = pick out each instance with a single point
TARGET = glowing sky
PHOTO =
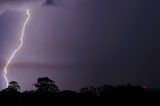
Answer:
(85, 42)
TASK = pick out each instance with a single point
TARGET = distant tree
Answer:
(13, 86)
(68, 93)
(105, 90)
(88, 91)
(46, 85)
(84, 90)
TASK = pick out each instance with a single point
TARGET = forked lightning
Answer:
(18, 48)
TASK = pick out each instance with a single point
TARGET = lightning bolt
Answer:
(18, 48)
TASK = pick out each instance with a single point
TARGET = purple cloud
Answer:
(21, 5)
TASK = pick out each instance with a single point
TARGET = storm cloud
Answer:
(22, 5)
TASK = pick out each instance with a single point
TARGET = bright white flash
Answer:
(18, 48)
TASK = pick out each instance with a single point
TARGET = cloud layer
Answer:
(21, 5)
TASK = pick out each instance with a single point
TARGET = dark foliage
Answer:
(46, 85)
(47, 92)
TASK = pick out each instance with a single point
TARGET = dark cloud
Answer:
(49, 2)
(42, 65)
(21, 5)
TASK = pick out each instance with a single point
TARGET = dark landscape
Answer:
(47, 92)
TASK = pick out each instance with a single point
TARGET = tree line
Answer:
(47, 92)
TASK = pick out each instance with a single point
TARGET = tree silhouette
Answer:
(13, 86)
(88, 91)
(46, 85)
(105, 90)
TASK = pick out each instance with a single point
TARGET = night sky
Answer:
(84, 42)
